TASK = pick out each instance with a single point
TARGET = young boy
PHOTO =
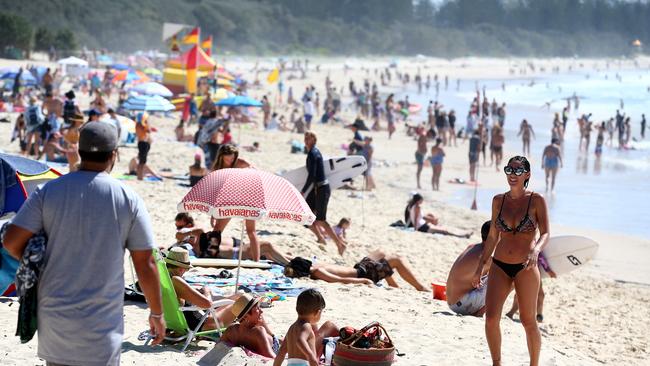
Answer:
(304, 339)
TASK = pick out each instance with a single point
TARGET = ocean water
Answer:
(608, 193)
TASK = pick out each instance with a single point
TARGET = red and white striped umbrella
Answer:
(248, 194)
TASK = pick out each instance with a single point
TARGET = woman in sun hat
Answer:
(178, 262)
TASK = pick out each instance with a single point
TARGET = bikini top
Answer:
(525, 225)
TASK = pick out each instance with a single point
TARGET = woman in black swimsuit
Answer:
(516, 217)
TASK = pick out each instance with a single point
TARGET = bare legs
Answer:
(540, 305)
(435, 179)
(325, 226)
(250, 230)
(527, 284)
(418, 173)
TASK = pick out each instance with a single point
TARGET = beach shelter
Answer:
(73, 66)
(247, 194)
(203, 61)
(19, 177)
(174, 79)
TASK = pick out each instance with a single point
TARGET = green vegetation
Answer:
(362, 27)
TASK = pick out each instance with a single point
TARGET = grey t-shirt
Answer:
(89, 218)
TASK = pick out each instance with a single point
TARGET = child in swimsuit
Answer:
(304, 335)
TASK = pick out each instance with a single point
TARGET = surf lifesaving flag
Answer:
(274, 75)
(192, 37)
(206, 44)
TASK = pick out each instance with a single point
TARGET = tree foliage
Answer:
(15, 33)
(449, 29)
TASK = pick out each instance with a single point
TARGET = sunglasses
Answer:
(516, 171)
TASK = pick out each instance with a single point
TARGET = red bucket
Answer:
(439, 291)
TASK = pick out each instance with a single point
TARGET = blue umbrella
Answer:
(120, 67)
(151, 103)
(239, 101)
(26, 78)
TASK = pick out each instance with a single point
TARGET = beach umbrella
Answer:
(26, 78)
(151, 88)
(131, 76)
(222, 93)
(247, 194)
(151, 71)
(150, 103)
(120, 67)
(239, 101)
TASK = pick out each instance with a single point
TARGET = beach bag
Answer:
(33, 118)
(346, 354)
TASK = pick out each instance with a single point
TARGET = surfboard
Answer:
(568, 253)
(338, 171)
(228, 263)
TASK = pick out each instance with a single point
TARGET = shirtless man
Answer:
(462, 297)
(53, 110)
(551, 162)
(249, 329)
(420, 153)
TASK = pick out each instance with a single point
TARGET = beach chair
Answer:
(173, 312)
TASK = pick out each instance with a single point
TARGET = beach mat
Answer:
(228, 263)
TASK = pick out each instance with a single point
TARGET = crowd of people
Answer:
(479, 281)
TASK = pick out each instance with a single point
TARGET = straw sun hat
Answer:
(243, 305)
(178, 257)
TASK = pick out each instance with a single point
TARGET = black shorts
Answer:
(373, 270)
(424, 228)
(193, 318)
(318, 199)
(143, 151)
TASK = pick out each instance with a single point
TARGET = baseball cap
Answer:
(97, 137)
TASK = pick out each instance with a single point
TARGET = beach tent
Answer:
(104, 60)
(26, 78)
(19, 177)
(204, 62)
(174, 80)
(73, 66)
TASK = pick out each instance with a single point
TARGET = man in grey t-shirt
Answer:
(89, 219)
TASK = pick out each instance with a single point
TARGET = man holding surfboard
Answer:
(319, 196)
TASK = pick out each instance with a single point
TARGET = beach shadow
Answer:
(9, 300)
(447, 313)
(267, 233)
(166, 347)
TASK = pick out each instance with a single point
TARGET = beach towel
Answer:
(29, 270)
(272, 287)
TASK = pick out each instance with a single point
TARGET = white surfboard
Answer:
(567, 253)
(228, 263)
(338, 171)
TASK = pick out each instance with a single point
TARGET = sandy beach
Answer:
(596, 315)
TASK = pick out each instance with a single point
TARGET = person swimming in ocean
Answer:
(551, 162)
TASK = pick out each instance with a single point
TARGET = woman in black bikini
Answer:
(516, 217)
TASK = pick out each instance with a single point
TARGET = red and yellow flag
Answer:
(206, 44)
(192, 37)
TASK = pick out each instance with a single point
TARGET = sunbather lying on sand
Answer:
(212, 245)
(373, 268)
